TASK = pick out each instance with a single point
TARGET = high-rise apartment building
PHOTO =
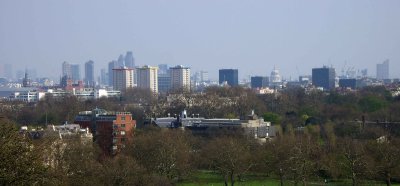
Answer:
(89, 73)
(66, 69)
(324, 77)
(382, 70)
(75, 73)
(148, 78)
(129, 60)
(230, 76)
(259, 82)
(180, 78)
(123, 78)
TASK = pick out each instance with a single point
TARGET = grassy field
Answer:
(209, 178)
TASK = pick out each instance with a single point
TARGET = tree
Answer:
(166, 153)
(20, 161)
(123, 170)
(386, 158)
(272, 117)
(353, 159)
(276, 157)
(229, 156)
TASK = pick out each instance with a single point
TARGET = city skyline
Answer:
(250, 36)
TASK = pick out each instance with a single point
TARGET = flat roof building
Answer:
(148, 78)
(111, 130)
(123, 78)
(180, 78)
(324, 77)
(230, 76)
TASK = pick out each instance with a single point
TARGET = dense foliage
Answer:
(322, 136)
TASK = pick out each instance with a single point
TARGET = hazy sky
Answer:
(251, 35)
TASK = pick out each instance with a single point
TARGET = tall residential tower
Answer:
(148, 78)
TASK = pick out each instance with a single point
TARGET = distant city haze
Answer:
(251, 36)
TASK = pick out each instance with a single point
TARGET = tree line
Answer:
(321, 137)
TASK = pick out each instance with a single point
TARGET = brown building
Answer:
(111, 130)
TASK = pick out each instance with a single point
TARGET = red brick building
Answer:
(111, 130)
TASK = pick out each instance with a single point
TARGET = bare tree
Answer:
(229, 156)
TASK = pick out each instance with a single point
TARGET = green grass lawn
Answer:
(209, 178)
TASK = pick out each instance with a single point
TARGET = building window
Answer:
(122, 117)
(123, 133)
(123, 139)
(122, 125)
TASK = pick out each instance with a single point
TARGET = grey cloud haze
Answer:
(252, 36)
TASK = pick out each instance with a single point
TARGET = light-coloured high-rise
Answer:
(148, 78)
(180, 78)
(382, 70)
(123, 78)
(66, 69)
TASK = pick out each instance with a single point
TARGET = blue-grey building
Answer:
(324, 77)
(348, 83)
(259, 82)
(75, 72)
(164, 83)
(230, 76)
(89, 74)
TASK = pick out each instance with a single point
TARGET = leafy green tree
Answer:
(272, 117)
(20, 161)
(372, 104)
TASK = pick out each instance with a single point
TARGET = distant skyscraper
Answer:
(122, 78)
(121, 61)
(231, 76)
(129, 60)
(382, 70)
(180, 78)
(259, 82)
(162, 69)
(147, 78)
(66, 69)
(75, 72)
(103, 77)
(204, 76)
(8, 71)
(324, 77)
(89, 73)
(111, 65)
